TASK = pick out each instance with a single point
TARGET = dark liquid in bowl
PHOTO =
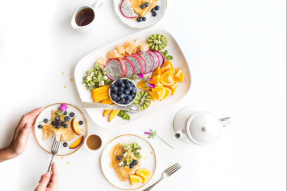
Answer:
(85, 17)
(94, 142)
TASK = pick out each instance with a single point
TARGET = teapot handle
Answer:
(225, 121)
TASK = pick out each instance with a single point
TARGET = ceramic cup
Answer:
(89, 27)
(93, 150)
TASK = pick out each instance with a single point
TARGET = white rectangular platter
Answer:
(88, 61)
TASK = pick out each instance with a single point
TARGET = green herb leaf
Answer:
(169, 57)
(124, 115)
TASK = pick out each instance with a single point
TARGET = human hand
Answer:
(21, 135)
(49, 182)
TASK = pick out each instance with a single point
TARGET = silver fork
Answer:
(168, 172)
(54, 150)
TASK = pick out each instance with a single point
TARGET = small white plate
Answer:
(47, 144)
(148, 161)
(150, 20)
(88, 62)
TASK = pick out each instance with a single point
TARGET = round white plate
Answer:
(150, 20)
(148, 161)
(47, 144)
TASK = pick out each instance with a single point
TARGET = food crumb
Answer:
(63, 73)
(64, 86)
(144, 158)
(81, 129)
(68, 163)
(151, 153)
(62, 157)
(72, 79)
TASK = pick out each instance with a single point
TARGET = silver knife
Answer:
(130, 108)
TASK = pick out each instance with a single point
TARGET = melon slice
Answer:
(127, 9)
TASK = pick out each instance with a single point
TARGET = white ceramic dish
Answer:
(47, 144)
(88, 62)
(150, 20)
(148, 161)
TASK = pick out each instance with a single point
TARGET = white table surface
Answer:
(237, 54)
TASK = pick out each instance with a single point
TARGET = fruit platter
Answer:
(140, 13)
(147, 69)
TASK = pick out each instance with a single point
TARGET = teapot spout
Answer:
(179, 134)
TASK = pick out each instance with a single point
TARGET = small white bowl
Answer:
(85, 143)
(119, 103)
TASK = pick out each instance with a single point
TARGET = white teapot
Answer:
(194, 125)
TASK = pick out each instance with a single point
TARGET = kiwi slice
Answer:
(143, 100)
(157, 42)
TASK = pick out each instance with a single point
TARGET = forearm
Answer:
(5, 154)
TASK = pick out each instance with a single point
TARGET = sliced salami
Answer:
(116, 69)
(141, 59)
(139, 68)
(155, 58)
(149, 61)
(130, 67)
(161, 58)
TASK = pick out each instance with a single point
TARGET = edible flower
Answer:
(63, 107)
(152, 134)
(140, 76)
(151, 86)
(149, 79)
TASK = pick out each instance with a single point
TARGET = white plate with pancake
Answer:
(150, 20)
(148, 161)
(47, 144)
(88, 62)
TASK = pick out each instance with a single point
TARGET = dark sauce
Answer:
(85, 17)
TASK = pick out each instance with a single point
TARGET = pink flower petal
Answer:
(147, 133)
(141, 76)
(63, 107)
(151, 86)
(149, 79)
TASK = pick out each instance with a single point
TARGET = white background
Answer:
(237, 54)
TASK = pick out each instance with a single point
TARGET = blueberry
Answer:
(81, 122)
(131, 88)
(45, 120)
(139, 19)
(63, 123)
(123, 100)
(131, 166)
(133, 95)
(67, 118)
(112, 86)
(146, 4)
(65, 113)
(127, 92)
(65, 144)
(121, 89)
(122, 96)
(135, 162)
(114, 89)
(118, 99)
(66, 125)
(126, 81)
(57, 118)
(119, 157)
(123, 85)
(157, 8)
(153, 10)
(127, 101)
(154, 14)
(130, 97)
(132, 84)
(59, 122)
(128, 85)
(58, 126)
(114, 96)
(53, 122)
(40, 126)
(144, 19)
(72, 114)
(134, 91)
(119, 80)
(142, 6)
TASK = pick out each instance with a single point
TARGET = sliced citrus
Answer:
(167, 93)
(144, 174)
(167, 78)
(159, 92)
(178, 75)
(142, 85)
(153, 98)
(167, 66)
(173, 88)
(157, 72)
(156, 81)
(134, 179)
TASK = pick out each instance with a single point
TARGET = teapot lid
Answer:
(203, 128)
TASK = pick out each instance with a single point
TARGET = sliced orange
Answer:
(156, 81)
(141, 85)
(134, 179)
(157, 72)
(178, 75)
(167, 66)
(159, 92)
(144, 174)
(167, 93)
(153, 98)
(167, 78)
(173, 88)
